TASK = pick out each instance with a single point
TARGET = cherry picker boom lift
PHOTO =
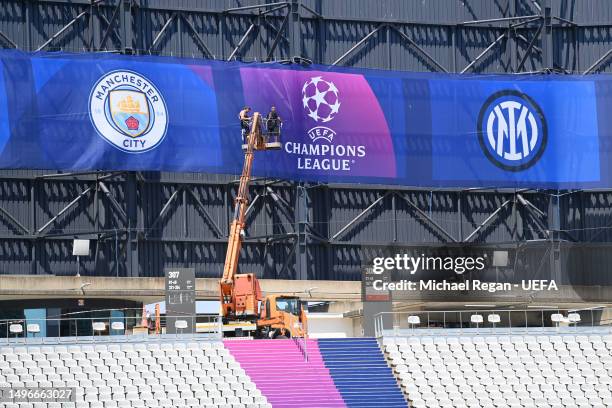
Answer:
(273, 316)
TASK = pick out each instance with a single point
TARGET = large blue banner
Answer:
(110, 112)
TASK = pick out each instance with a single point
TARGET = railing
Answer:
(270, 130)
(104, 329)
(493, 321)
(302, 344)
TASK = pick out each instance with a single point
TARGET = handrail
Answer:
(302, 345)
(100, 328)
(506, 320)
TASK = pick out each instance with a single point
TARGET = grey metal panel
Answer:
(436, 41)
(435, 10)
(12, 17)
(15, 255)
(584, 11)
(192, 231)
(432, 25)
(593, 43)
(15, 196)
(49, 19)
(208, 259)
(595, 212)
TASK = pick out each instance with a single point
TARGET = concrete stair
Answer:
(360, 372)
(278, 369)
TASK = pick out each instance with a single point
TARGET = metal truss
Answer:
(276, 30)
(112, 25)
(293, 223)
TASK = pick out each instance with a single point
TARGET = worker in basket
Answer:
(273, 124)
(245, 122)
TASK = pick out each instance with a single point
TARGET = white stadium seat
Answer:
(201, 373)
(520, 371)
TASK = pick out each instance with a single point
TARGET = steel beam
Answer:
(272, 10)
(62, 30)
(251, 205)
(427, 218)
(285, 208)
(287, 260)
(127, 43)
(110, 25)
(419, 49)
(257, 6)
(311, 11)
(197, 36)
(134, 224)
(163, 211)
(112, 200)
(28, 20)
(14, 220)
(359, 216)
(162, 31)
(277, 38)
(530, 205)
(530, 47)
(207, 216)
(241, 42)
(7, 40)
(487, 220)
(482, 54)
(301, 221)
(535, 213)
(295, 29)
(548, 50)
(554, 215)
(63, 210)
(598, 62)
(33, 252)
(359, 43)
(496, 20)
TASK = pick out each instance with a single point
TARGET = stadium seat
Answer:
(126, 375)
(520, 371)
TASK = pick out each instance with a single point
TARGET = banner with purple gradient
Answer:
(73, 112)
(332, 127)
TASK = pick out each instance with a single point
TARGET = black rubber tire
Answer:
(281, 337)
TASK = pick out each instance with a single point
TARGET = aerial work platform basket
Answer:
(266, 139)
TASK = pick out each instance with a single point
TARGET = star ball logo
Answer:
(512, 130)
(321, 101)
(128, 111)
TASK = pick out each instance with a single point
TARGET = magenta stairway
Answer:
(278, 369)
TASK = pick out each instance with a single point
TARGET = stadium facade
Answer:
(141, 222)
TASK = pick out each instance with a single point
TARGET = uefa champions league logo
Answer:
(320, 99)
(512, 130)
(128, 111)
(322, 152)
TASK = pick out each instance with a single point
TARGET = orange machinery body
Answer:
(240, 294)
(244, 295)
(285, 324)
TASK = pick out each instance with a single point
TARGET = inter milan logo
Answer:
(128, 111)
(512, 130)
(320, 99)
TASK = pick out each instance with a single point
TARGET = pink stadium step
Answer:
(278, 369)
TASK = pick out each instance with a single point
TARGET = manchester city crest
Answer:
(128, 111)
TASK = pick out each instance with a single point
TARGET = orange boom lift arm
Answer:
(240, 293)
(281, 316)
